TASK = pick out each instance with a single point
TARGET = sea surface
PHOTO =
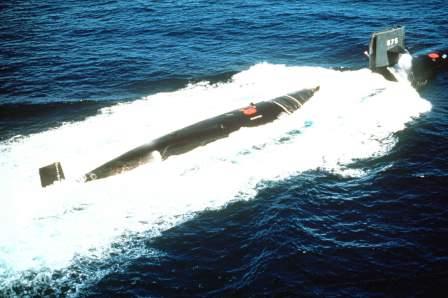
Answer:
(347, 197)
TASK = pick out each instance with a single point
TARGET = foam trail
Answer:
(354, 115)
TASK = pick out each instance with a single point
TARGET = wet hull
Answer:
(202, 133)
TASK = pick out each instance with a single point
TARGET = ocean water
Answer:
(346, 197)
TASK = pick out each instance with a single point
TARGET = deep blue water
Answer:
(315, 234)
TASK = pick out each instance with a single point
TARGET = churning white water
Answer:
(353, 116)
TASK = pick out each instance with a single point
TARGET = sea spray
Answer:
(354, 116)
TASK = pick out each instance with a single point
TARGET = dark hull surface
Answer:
(202, 133)
(426, 67)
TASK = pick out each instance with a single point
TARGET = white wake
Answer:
(353, 116)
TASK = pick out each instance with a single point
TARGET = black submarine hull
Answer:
(202, 133)
(426, 67)
(190, 137)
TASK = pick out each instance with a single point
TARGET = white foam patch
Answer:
(353, 116)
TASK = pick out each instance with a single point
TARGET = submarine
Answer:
(190, 137)
(386, 48)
